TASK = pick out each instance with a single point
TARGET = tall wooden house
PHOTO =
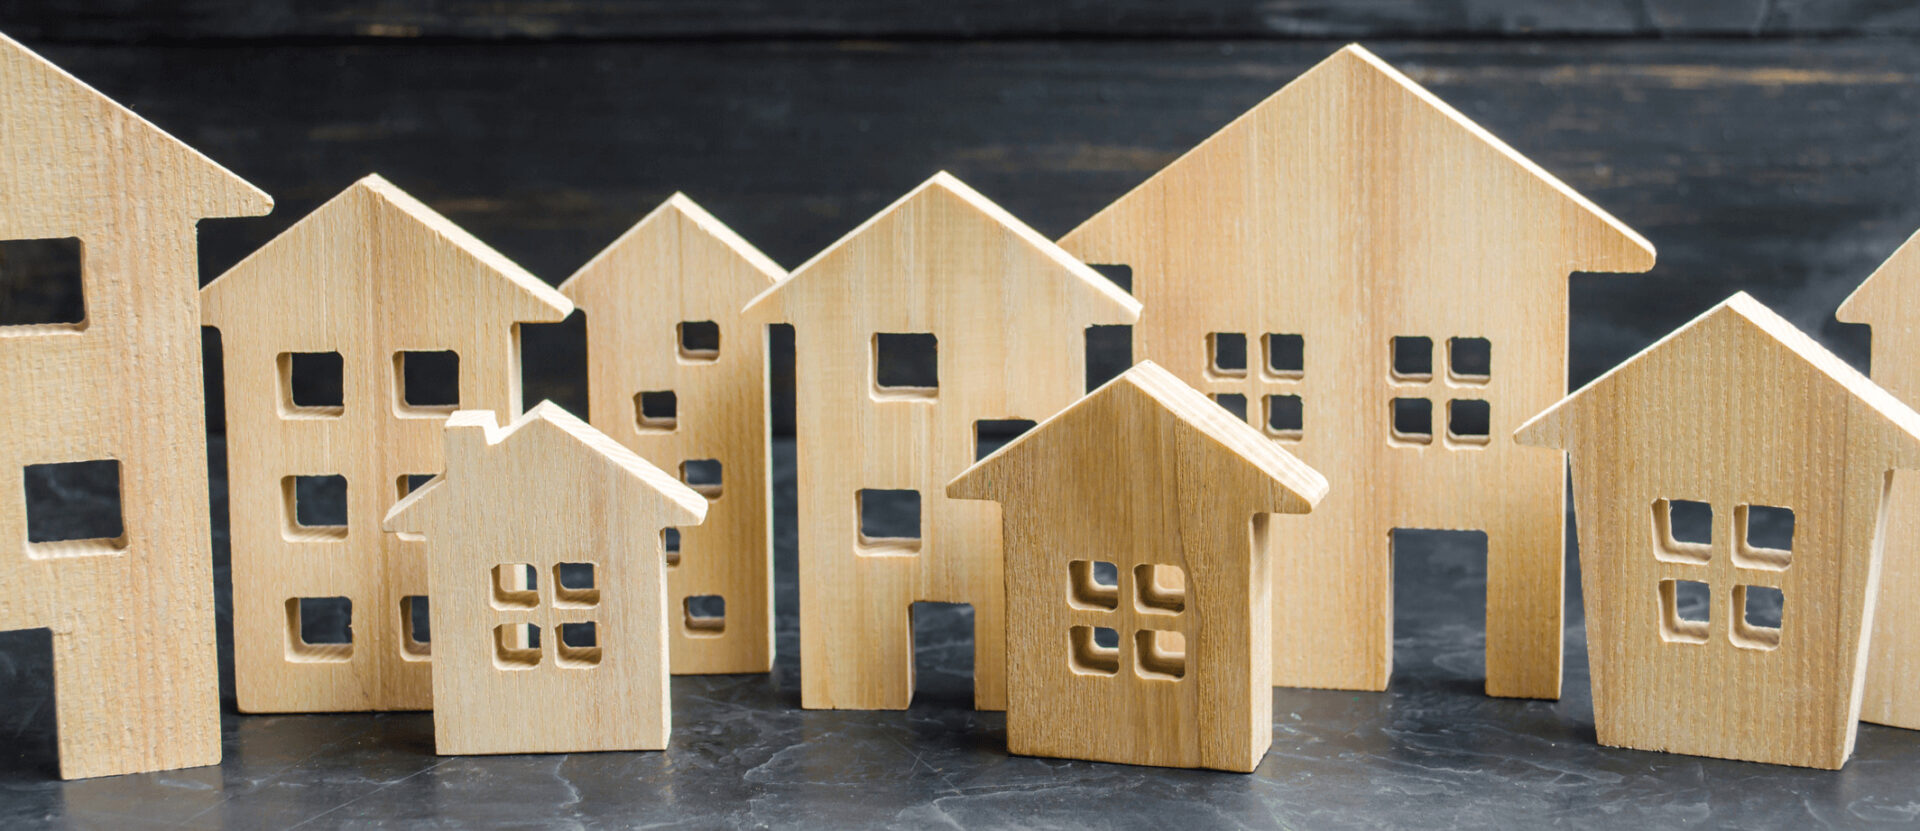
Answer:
(676, 375)
(1136, 525)
(1379, 285)
(108, 393)
(347, 341)
(935, 320)
(1736, 418)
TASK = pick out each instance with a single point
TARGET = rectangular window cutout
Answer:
(1757, 625)
(1160, 655)
(890, 523)
(1412, 420)
(992, 434)
(411, 482)
(42, 286)
(699, 341)
(1412, 359)
(1684, 609)
(1232, 402)
(1469, 360)
(657, 411)
(1765, 537)
(312, 384)
(579, 646)
(319, 629)
(314, 508)
(1469, 422)
(1093, 650)
(1160, 588)
(906, 366)
(1227, 354)
(1120, 274)
(515, 586)
(703, 476)
(706, 615)
(1682, 531)
(73, 509)
(1109, 353)
(1286, 356)
(1286, 417)
(416, 630)
(670, 545)
(575, 585)
(426, 383)
(516, 646)
(1093, 584)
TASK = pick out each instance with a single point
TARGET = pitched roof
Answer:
(1234, 443)
(48, 114)
(669, 218)
(1883, 290)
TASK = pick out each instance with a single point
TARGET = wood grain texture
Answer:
(546, 492)
(679, 265)
(1150, 477)
(370, 276)
(1736, 410)
(1007, 312)
(1357, 221)
(131, 616)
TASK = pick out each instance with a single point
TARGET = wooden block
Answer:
(1737, 416)
(92, 193)
(1398, 285)
(550, 623)
(347, 341)
(1888, 301)
(676, 375)
(941, 311)
(1149, 480)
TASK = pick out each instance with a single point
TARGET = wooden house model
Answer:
(552, 624)
(675, 375)
(932, 321)
(1739, 419)
(108, 394)
(1136, 525)
(1380, 285)
(347, 341)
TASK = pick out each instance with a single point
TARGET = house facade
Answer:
(678, 377)
(1734, 419)
(938, 314)
(1387, 317)
(347, 341)
(117, 388)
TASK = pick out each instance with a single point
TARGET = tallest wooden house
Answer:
(1382, 286)
(114, 388)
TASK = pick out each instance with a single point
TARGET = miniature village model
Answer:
(110, 394)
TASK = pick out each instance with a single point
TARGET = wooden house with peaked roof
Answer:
(1380, 285)
(675, 375)
(551, 625)
(347, 341)
(1150, 482)
(1735, 417)
(109, 395)
(938, 315)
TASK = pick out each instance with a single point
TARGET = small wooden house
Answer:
(933, 321)
(1735, 419)
(347, 340)
(676, 375)
(551, 624)
(1136, 528)
(1380, 285)
(107, 392)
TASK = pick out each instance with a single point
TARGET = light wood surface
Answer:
(369, 275)
(1889, 301)
(1007, 310)
(1173, 493)
(1740, 411)
(546, 493)
(131, 617)
(1349, 209)
(679, 266)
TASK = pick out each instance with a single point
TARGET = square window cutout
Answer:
(657, 411)
(1757, 626)
(702, 475)
(1469, 422)
(426, 383)
(312, 384)
(1160, 655)
(73, 509)
(1684, 609)
(1227, 354)
(1765, 536)
(1286, 417)
(319, 629)
(314, 508)
(516, 646)
(699, 341)
(670, 545)
(1412, 359)
(1093, 650)
(889, 520)
(416, 629)
(1286, 356)
(575, 585)
(1093, 584)
(1412, 420)
(1469, 360)
(705, 615)
(990, 435)
(1232, 402)
(906, 365)
(411, 482)
(1682, 531)
(42, 285)
(515, 586)
(579, 645)
(1160, 588)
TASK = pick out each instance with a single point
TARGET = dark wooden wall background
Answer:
(1766, 145)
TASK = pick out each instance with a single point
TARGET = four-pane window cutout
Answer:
(515, 586)
(1093, 584)
(1685, 606)
(42, 286)
(73, 509)
(1286, 356)
(699, 341)
(1763, 537)
(1088, 652)
(1758, 613)
(1160, 654)
(1469, 360)
(312, 384)
(1227, 354)
(1469, 422)
(416, 630)
(670, 545)
(1412, 358)
(906, 366)
(656, 411)
(426, 383)
(578, 646)
(705, 615)
(703, 476)
(1682, 531)
(516, 646)
(889, 522)
(575, 585)
(1412, 420)
(314, 508)
(1286, 417)
(1160, 588)
(319, 629)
